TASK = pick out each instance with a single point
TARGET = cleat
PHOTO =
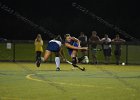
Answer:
(57, 69)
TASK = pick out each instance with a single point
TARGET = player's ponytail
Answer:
(58, 37)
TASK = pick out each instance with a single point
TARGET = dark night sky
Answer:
(60, 17)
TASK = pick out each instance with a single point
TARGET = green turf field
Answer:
(23, 81)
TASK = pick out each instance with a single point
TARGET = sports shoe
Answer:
(57, 69)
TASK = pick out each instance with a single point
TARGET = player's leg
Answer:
(73, 53)
(57, 61)
(38, 55)
(86, 59)
(54, 47)
(108, 55)
(73, 56)
(116, 56)
(119, 56)
(76, 60)
(94, 55)
(47, 54)
(38, 58)
(105, 55)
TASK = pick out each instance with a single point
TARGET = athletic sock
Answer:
(57, 61)
(74, 60)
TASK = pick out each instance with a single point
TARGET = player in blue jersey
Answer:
(73, 45)
(54, 46)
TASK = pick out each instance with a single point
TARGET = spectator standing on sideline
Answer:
(106, 45)
(94, 40)
(38, 48)
(83, 43)
(117, 52)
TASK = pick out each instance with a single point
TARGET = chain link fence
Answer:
(24, 51)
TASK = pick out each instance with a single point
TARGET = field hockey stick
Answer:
(83, 69)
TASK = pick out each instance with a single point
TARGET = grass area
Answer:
(24, 81)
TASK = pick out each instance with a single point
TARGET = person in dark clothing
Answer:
(117, 52)
(94, 40)
(83, 43)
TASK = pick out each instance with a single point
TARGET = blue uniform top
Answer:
(73, 43)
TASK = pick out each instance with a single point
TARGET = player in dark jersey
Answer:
(73, 45)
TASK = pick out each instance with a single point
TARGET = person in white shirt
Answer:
(106, 45)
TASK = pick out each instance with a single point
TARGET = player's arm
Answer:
(97, 41)
(42, 42)
(76, 48)
(118, 41)
(122, 40)
(109, 42)
(102, 41)
(113, 40)
(35, 43)
(76, 40)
